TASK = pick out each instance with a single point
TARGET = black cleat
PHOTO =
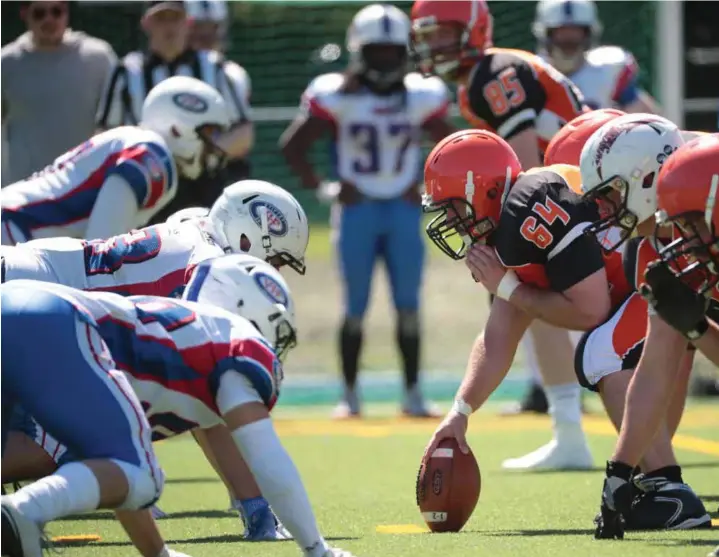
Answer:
(665, 505)
(534, 401)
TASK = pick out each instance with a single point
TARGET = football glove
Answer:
(616, 499)
(674, 301)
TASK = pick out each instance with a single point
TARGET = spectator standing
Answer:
(52, 82)
(167, 27)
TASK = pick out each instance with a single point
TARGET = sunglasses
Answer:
(40, 13)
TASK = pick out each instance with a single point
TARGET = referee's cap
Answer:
(152, 8)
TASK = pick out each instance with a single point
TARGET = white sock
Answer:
(530, 358)
(73, 488)
(565, 408)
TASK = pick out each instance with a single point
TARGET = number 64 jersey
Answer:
(377, 137)
(541, 233)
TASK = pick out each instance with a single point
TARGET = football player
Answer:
(607, 354)
(251, 216)
(118, 179)
(525, 100)
(621, 168)
(216, 361)
(521, 236)
(607, 76)
(377, 112)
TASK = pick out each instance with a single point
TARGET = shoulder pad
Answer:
(133, 61)
(608, 56)
(432, 85)
(325, 84)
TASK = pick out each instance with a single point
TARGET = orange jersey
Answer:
(510, 90)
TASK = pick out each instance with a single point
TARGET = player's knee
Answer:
(408, 323)
(144, 485)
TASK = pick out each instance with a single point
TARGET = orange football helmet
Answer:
(466, 176)
(566, 145)
(448, 36)
(688, 198)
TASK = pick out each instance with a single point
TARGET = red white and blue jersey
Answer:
(153, 261)
(608, 78)
(58, 200)
(175, 352)
(377, 137)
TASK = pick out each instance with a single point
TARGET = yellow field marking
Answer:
(401, 529)
(715, 521)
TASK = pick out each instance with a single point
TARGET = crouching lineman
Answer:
(208, 365)
(607, 354)
(251, 216)
(523, 99)
(521, 234)
(678, 277)
(119, 179)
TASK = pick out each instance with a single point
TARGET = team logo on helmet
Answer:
(190, 102)
(276, 221)
(610, 138)
(272, 289)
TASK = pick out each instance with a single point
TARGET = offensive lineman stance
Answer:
(525, 101)
(119, 179)
(209, 367)
(377, 112)
(251, 216)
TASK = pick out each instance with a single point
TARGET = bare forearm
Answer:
(552, 307)
(485, 371)
(297, 160)
(142, 530)
(237, 141)
(708, 344)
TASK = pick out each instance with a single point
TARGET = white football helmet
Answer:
(251, 288)
(619, 165)
(552, 14)
(264, 220)
(177, 109)
(380, 25)
(187, 214)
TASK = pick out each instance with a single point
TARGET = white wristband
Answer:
(507, 285)
(461, 407)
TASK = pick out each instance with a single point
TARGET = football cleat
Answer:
(555, 455)
(665, 505)
(415, 405)
(21, 537)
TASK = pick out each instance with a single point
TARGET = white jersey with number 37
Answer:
(377, 138)
(156, 260)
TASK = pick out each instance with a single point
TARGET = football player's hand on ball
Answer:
(674, 301)
(454, 426)
(485, 266)
(616, 500)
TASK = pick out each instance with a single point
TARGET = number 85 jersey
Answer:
(377, 137)
(541, 230)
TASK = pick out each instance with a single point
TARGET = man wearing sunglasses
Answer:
(52, 82)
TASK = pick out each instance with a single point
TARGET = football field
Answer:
(361, 474)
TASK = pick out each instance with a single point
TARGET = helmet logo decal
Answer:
(190, 102)
(276, 221)
(271, 288)
(610, 137)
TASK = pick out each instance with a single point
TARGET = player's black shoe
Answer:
(534, 401)
(664, 505)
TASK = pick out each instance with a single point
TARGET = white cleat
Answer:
(553, 456)
(25, 536)
(157, 512)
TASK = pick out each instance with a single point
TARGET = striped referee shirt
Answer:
(138, 72)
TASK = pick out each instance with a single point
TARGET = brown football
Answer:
(448, 487)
